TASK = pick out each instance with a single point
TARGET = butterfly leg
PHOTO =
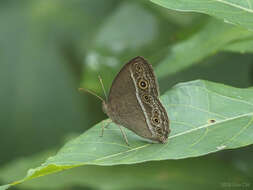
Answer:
(124, 134)
(108, 121)
(105, 124)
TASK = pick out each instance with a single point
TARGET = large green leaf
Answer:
(213, 37)
(4, 187)
(231, 11)
(163, 175)
(205, 117)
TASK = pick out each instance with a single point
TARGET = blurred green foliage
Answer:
(48, 49)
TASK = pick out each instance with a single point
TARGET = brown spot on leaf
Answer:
(211, 121)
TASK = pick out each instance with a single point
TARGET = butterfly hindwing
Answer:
(133, 101)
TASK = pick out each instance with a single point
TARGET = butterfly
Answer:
(133, 102)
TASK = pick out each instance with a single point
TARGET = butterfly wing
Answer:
(133, 101)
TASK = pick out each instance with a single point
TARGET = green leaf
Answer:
(169, 174)
(230, 11)
(205, 117)
(210, 39)
(4, 187)
(242, 46)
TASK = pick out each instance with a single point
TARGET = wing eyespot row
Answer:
(146, 83)
(138, 96)
(155, 118)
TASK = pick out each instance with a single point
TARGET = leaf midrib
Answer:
(207, 125)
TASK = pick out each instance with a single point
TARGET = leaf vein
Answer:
(200, 109)
(207, 125)
(235, 6)
(239, 133)
(227, 97)
(119, 153)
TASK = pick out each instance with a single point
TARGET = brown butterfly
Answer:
(133, 102)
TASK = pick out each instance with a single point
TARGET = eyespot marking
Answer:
(147, 98)
(156, 112)
(143, 84)
(155, 120)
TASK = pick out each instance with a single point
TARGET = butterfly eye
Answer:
(143, 84)
(156, 120)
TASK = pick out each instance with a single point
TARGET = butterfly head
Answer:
(104, 107)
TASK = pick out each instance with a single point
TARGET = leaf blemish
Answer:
(211, 121)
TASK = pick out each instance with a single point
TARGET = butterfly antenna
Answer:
(91, 92)
(101, 82)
